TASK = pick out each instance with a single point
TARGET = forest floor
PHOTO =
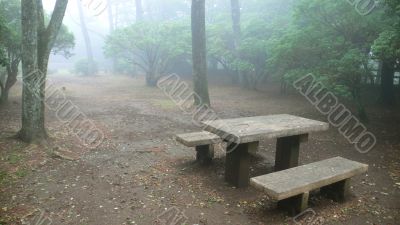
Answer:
(140, 175)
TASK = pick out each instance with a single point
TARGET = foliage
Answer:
(3, 31)
(259, 27)
(330, 40)
(65, 42)
(10, 41)
(10, 37)
(253, 50)
(82, 67)
(220, 44)
(151, 46)
(387, 45)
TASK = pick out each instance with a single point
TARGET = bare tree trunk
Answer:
(139, 10)
(12, 72)
(387, 96)
(111, 27)
(199, 53)
(3, 97)
(37, 42)
(110, 16)
(235, 11)
(151, 79)
(88, 44)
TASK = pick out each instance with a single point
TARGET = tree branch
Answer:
(40, 12)
(55, 22)
(1, 85)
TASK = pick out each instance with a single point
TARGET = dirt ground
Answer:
(140, 175)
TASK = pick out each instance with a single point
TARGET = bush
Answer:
(85, 67)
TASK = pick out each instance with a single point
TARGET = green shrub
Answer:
(85, 67)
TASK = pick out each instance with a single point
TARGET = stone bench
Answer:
(291, 187)
(203, 142)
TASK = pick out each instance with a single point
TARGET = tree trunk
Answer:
(4, 94)
(88, 44)
(37, 42)
(361, 112)
(32, 109)
(199, 53)
(110, 16)
(151, 79)
(111, 27)
(12, 72)
(235, 11)
(387, 87)
(139, 10)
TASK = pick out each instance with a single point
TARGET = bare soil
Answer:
(139, 171)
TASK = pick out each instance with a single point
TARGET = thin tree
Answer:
(387, 94)
(139, 10)
(235, 11)
(111, 28)
(37, 42)
(110, 16)
(88, 43)
(199, 52)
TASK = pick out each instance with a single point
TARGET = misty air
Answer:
(201, 112)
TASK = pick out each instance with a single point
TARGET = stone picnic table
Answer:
(289, 130)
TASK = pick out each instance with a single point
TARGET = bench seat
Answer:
(203, 142)
(331, 175)
(198, 138)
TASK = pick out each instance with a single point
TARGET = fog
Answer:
(98, 26)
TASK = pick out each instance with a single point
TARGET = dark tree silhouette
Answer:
(199, 52)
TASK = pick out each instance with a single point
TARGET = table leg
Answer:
(237, 165)
(205, 154)
(253, 148)
(287, 152)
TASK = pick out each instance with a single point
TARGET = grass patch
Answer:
(14, 158)
(4, 178)
(21, 173)
(165, 103)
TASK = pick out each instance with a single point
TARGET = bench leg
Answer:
(237, 165)
(287, 152)
(204, 154)
(295, 205)
(338, 191)
(253, 147)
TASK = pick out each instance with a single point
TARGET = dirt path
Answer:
(139, 172)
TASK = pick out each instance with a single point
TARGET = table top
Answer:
(251, 129)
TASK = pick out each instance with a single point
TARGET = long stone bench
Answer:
(203, 142)
(291, 187)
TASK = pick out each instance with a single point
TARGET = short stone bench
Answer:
(291, 187)
(203, 142)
